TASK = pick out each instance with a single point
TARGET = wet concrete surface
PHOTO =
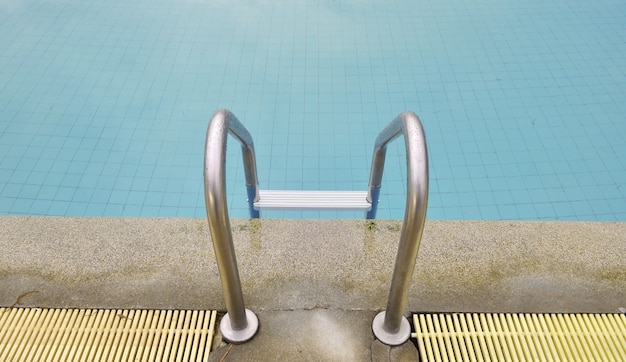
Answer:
(315, 284)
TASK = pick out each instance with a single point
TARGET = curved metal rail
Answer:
(239, 324)
(390, 326)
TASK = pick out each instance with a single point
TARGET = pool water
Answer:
(104, 104)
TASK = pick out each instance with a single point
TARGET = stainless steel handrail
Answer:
(239, 324)
(390, 326)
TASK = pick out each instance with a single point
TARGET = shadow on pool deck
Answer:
(315, 284)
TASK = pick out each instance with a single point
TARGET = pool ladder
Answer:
(240, 324)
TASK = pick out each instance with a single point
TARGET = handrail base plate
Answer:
(391, 339)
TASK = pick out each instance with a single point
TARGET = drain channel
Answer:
(521, 337)
(33, 334)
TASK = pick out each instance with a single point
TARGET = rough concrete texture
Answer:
(315, 285)
(313, 264)
(314, 335)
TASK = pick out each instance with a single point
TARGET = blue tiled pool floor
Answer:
(104, 104)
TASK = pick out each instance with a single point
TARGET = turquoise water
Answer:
(104, 104)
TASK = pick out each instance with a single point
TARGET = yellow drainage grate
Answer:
(521, 337)
(35, 334)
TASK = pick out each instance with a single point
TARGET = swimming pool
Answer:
(104, 104)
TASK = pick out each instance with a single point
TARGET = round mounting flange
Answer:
(239, 335)
(391, 339)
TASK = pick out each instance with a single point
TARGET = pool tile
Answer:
(521, 111)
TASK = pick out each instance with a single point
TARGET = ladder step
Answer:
(312, 200)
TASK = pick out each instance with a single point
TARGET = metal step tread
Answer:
(312, 200)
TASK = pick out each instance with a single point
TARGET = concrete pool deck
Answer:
(299, 274)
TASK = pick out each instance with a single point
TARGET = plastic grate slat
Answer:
(520, 337)
(28, 334)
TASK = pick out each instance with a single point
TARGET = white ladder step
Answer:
(312, 200)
